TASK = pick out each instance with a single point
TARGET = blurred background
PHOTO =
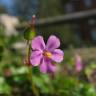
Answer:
(73, 21)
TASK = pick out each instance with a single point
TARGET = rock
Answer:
(9, 22)
(19, 45)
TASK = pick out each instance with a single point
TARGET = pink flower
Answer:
(45, 55)
(78, 65)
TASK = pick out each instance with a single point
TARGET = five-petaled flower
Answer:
(46, 55)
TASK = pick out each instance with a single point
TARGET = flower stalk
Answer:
(29, 36)
(35, 92)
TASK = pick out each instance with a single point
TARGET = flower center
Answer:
(47, 54)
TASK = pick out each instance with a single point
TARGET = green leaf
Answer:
(4, 87)
(1, 49)
(1, 52)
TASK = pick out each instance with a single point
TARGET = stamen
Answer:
(47, 54)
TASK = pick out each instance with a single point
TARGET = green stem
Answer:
(36, 93)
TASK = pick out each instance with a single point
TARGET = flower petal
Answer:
(38, 43)
(51, 67)
(43, 66)
(57, 55)
(35, 58)
(53, 43)
(78, 67)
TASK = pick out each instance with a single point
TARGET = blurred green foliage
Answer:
(49, 8)
(65, 82)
